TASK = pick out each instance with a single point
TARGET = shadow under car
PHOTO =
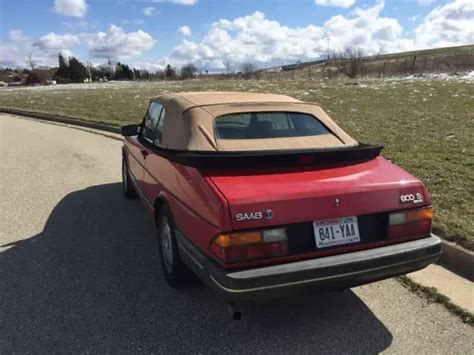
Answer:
(90, 281)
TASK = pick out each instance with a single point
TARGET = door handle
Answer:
(145, 153)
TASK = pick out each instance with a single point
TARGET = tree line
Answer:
(72, 70)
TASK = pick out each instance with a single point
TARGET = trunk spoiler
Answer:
(271, 158)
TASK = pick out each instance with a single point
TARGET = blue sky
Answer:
(147, 33)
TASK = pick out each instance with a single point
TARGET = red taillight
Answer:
(410, 223)
(247, 246)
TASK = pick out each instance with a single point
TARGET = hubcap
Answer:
(166, 244)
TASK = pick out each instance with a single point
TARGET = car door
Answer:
(154, 163)
(140, 147)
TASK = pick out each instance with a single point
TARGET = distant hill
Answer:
(439, 60)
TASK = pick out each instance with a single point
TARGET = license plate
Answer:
(337, 231)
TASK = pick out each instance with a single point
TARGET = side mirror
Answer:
(130, 130)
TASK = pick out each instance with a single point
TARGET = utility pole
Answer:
(327, 51)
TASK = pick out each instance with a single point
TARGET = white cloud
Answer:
(47, 47)
(148, 11)
(368, 30)
(263, 41)
(12, 48)
(337, 3)
(73, 8)
(44, 51)
(116, 44)
(17, 35)
(53, 41)
(153, 66)
(447, 25)
(185, 30)
(252, 37)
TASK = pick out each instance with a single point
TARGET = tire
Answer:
(175, 271)
(127, 185)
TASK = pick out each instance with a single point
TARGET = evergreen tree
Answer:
(136, 74)
(127, 72)
(170, 72)
(123, 72)
(62, 73)
(118, 75)
(78, 72)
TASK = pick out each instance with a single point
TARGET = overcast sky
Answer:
(151, 33)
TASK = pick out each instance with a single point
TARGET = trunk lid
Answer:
(262, 198)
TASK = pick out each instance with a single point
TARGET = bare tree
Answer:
(349, 61)
(248, 69)
(89, 67)
(31, 61)
(112, 67)
(227, 66)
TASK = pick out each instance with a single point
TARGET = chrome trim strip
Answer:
(190, 256)
(302, 282)
(342, 259)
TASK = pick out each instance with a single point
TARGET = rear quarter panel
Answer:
(198, 211)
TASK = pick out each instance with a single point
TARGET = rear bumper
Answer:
(321, 274)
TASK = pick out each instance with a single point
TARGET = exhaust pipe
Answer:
(234, 312)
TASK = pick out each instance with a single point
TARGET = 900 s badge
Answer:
(413, 198)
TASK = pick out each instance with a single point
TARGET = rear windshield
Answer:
(261, 125)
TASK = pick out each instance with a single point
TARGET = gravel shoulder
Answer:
(79, 273)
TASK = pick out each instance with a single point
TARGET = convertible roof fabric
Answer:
(189, 122)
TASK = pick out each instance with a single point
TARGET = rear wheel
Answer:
(127, 185)
(174, 270)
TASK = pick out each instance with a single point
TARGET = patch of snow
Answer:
(469, 75)
(436, 76)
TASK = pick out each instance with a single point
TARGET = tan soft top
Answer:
(189, 122)
(187, 100)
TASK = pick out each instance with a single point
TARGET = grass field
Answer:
(426, 126)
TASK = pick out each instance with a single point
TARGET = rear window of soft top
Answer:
(262, 125)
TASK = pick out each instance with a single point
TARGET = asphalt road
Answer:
(79, 273)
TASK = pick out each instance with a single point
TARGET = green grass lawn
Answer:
(426, 126)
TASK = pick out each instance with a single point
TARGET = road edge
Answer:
(457, 259)
(61, 119)
(431, 294)
(454, 257)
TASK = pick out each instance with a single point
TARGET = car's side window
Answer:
(151, 121)
(159, 128)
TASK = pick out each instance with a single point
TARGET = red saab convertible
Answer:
(262, 195)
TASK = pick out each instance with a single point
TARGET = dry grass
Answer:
(431, 294)
(426, 126)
